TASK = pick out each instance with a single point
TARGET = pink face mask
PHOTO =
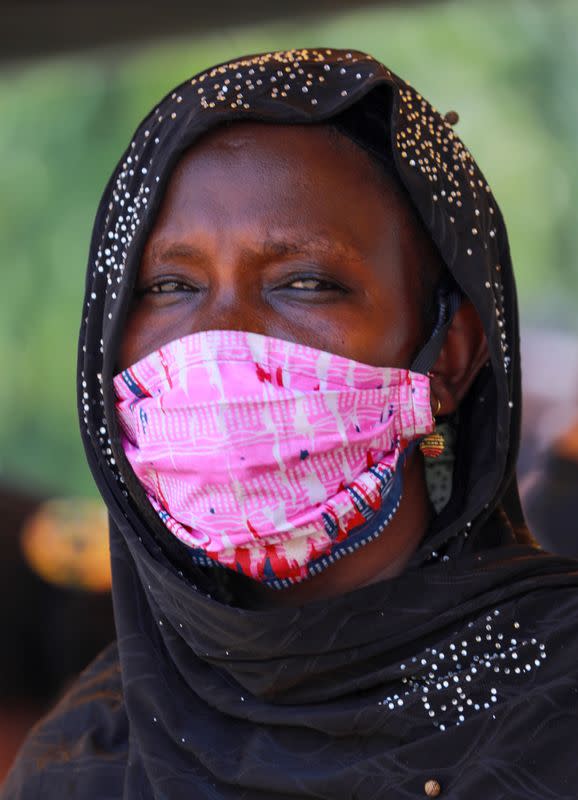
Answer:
(265, 456)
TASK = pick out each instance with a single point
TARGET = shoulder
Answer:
(79, 749)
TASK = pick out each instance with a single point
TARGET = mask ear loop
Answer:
(449, 299)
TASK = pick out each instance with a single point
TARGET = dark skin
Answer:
(295, 233)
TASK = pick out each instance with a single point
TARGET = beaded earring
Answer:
(433, 445)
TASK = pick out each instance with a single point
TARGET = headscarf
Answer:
(458, 676)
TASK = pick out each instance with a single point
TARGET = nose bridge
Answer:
(232, 304)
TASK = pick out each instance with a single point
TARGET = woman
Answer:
(295, 267)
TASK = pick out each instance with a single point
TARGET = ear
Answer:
(463, 354)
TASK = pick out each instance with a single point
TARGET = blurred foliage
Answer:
(508, 68)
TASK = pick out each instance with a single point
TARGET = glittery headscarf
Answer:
(450, 678)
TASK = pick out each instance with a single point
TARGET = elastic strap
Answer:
(449, 300)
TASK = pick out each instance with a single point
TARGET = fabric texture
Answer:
(267, 456)
(462, 670)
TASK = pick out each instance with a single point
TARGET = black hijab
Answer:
(461, 672)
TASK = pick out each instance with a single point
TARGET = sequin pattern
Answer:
(455, 681)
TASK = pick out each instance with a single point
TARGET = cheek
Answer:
(144, 333)
(384, 342)
(384, 334)
(131, 345)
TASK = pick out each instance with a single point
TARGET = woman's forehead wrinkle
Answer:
(160, 251)
(285, 246)
(273, 247)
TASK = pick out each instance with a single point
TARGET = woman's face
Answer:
(292, 232)
(286, 231)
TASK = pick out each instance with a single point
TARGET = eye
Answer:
(166, 286)
(310, 283)
(306, 283)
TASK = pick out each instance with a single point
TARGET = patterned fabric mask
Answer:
(266, 456)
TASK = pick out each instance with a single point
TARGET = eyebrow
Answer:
(271, 248)
(160, 252)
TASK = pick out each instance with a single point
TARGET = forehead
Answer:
(302, 175)
(302, 150)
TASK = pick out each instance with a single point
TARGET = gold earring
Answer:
(433, 445)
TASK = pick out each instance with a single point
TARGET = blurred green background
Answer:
(508, 68)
